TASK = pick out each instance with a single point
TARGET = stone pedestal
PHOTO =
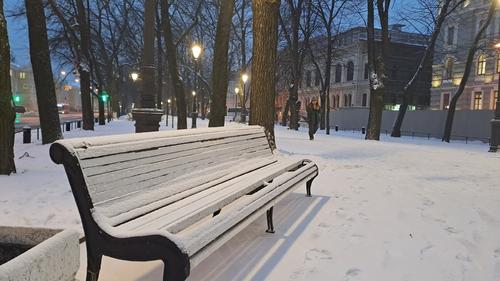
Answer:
(495, 135)
(147, 119)
(44, 254)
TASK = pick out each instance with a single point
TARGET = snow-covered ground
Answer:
(399, 209)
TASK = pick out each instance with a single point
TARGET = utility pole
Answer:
(148, 117)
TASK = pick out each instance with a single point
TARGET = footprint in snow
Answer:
(318, 255)
(353, 272)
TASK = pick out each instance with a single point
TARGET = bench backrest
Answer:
(119, 166)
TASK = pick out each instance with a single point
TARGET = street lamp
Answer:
(196, 50)
(63, 73)
(244, 78)
(495, 123)
(134, 76)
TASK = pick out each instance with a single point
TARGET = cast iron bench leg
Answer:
(270, 226)
(308, 187)
(93, 265)
(172, 272)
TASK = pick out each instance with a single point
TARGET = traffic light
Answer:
(104, 96)
(17, 99)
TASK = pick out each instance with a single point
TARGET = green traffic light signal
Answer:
(104, 96)
(17, 98)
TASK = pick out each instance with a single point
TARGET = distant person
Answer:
(313, 117)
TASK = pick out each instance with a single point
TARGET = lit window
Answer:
(448, 69)
(478, 100)
(495, 99)
(446, 101)
(498, 63)
(22, 75)
(481, 65)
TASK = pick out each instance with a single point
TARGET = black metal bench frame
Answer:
(140, 248)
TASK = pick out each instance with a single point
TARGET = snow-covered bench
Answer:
(174, 196)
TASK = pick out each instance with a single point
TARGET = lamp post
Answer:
(148, 117)
(194, 114)
(196, 50)
(166, 113)
(495, 123)
(236, 92)
(244, 78)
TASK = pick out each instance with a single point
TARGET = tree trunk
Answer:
(220, 64)
(42, 72)
(263, 84)
(468, 66)
(7, 114)
(159, 49)
(408, 89)
(377, 73)
(177, 84)
(84, 67)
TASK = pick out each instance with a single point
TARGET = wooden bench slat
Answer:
(142, 166)
(130, 181)
(182, 213)
(92, 150)
(126, 208)
(202, 236)
(106, 164)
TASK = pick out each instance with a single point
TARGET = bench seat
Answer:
(176, 196)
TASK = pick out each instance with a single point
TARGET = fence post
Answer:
(26, 134)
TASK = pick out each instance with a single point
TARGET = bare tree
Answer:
(42, 72)
(263, 84)
(444, 12)
(468, 66)
(376, 65)
(7, 114)
(327, 11)
(220, 64)
(296, 26)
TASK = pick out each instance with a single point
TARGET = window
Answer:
(448, 72)
(22, 75)
(498, 63)
(338, 100)
(478, 100)
(495, 99)
(317, 78)
(345, 100)
(366, 71)
(365, 100)
(350, 71)
(349, 97)
(446, 101)
(334, 100)
(338, 73)
(451, 35)
(481, 65)
(308, 78)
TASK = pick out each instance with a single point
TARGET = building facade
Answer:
(454, 41)
(23, 87)
(349, 85)
(24, 91)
